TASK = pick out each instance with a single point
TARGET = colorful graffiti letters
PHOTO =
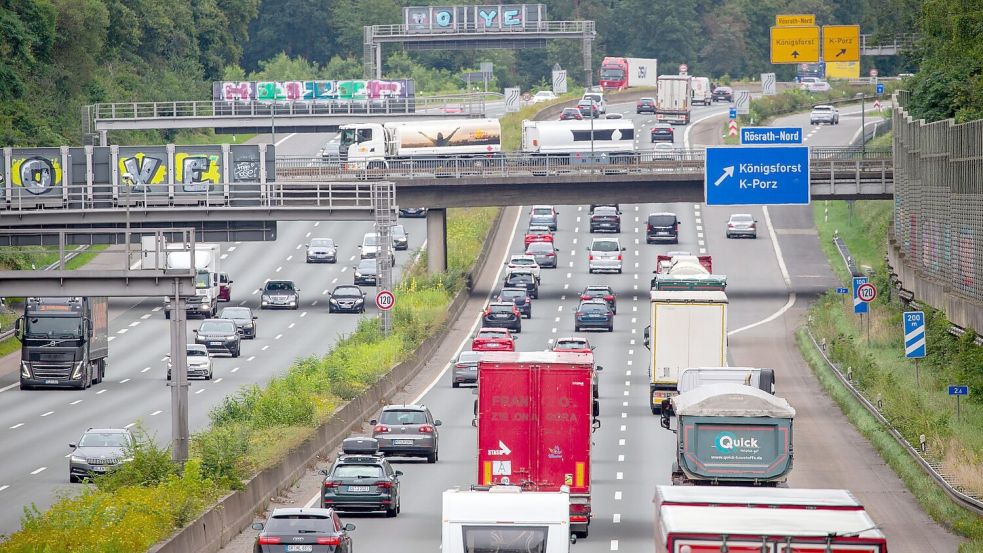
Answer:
(197, 171)
(36, 174)
(144, 169)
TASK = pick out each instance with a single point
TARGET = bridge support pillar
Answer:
(436, 241)
(104, 138)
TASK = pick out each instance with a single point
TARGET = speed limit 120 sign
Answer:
(385, 300)
(867, 292)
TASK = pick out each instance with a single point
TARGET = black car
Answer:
(520, 298)
(588, 108)
(311, 530)
(662, 132)
(645, 105)
(605, 218)
(361, 479)
(412, 212)
(280, 294)
(502, 315)
(662, 227)
(219, 336)
(601, 292)
(593, 314)
(244, 319)
(595, 206)
(346, 299)
(571, 114)
(722, 94)
(366, 272)
(523, 279)
(401, 238)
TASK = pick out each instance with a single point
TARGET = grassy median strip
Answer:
(145, 500)
(881, 371)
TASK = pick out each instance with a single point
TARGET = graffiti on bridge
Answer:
(195, 172)
(310, 91)
(36, 174)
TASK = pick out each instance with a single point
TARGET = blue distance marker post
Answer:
(914, 338)
(880, 88)
(860, 307)
(958, 391)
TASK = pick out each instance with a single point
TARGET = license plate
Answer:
(215, 343)
(98, 469)
(359, 489)
(402, 442)
(300, 548)
(51, 382)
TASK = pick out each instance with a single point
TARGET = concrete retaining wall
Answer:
(237, 510)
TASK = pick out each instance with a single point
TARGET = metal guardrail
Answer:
(402, 30)
(971, 503)
(841, 164)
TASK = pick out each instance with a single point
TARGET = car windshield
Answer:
(501, 308)
(594, 97)
(542, 211)
(403, 417)
(237, 313)
(194, 352)
(367, 265)
(369, 240)
(585, 103)
(104, 439)
(491, 334)
(605, 246)
(521, 277)
(605, 211)
(279, 286)
(540, 247)
(512, 294)
(347, 291)
(594, 308)
(358, 471)
(217, 327)
(398, 230)
(662, 220)
(646, 101)
(598, 291)
(571, 344)
(569, 110)
(306, 523)
(822, 108)
(322, 243)
(523, 261)
(741, 218)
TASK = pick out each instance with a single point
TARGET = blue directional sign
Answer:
(880, 88)
(842, 290)
(733, 113)
(771, 135)
(859, 306)
(914, 334)
(745, 175)
(958, 390)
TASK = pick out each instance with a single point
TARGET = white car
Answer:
(524, 262)
(824, 114)
(604, 254)
(543, 96)
(664, 150)
(199, 362)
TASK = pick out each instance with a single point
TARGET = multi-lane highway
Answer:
(37, 426)
(770, 282)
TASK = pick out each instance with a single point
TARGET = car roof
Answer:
(594, 301)
(514, 289)
(646, 98)
(606, 207)
(217, 320)
(521, 256)
(571, 339)
(405, 407)
(468, 354)
(596, 240)
(550, 206)
(822, 106)
(663, 146)
(520, 270)
(598, 287)
(501, 304)
(741, 215)
(108, 431)
(539, 228)
(288, 511)
(493, 329)
(661, 126)
(290, 282)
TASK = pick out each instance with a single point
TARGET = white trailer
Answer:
(505, 518)
(672, 100)
(688, 329)
(610, 136)
(372, 145)
(693, 377)
(701, 91)
(207, 287)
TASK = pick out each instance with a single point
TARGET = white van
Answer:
(701, 91)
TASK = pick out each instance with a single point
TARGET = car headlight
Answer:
(25, 369)
(77, 459)
(232, 338)
(359, 300)
(358, 274)
(77, 373)
(332, 300)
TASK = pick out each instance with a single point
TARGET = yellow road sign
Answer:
(841, 43)
(795, 44)
(798, 20)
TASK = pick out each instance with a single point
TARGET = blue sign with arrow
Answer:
(733, 113)
(777, 175)
(771, 135)
(914, 334)
(859, 305)
(880, 88)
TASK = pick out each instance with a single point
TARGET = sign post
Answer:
(959, 392)
(860, 307)
(754, 175)
(385, 300)
(867, 292)
(914, 338)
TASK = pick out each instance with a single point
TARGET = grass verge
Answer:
(913, 405)
(144, 502)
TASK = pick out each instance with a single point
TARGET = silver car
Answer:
(604, 254)
(544, 215)
(97, 451)
(465, 370)
(407, 431)
(544, 253)
(742, 224)
(322, 250)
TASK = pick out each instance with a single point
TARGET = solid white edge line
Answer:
(285, 138)
(689, 127)
(467, 337)
(788, 281)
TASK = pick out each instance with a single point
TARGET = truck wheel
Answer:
(581, 534)
(455, 384)
(167, 314)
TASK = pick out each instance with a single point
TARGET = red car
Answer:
(538, 234)
(224, 287)
(493, 339)
(573, 344)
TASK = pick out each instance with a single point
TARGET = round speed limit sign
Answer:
(866, 292)
(385, 300)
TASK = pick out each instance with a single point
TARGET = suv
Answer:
(523, 278)
(742, 224)
(401, 238)
(219, 336)
(545, 215)
(407, 431)
(645, 105)
(605, 218)
(824, 114)
(322, 250)
(604, 254)
(502, 314)
(198, 361)
(662, 227)
(722, 94)
(304, 529)
(370, 247)
(280, 293)
(97, 451)
(361, 479)
(243, 318)
(598, 100)
(519, 297)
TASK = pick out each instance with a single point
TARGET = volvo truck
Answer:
(64, 342)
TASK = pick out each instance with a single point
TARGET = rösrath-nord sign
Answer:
(796, 20)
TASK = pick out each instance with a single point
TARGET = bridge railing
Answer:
(383, 31)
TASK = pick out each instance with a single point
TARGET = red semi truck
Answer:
(535, 415)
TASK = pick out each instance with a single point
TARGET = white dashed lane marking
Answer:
(38, 470)
(16, 426)
(155, 413)
(48, 413)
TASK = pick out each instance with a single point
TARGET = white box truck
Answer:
(375, 145)
(207, 286)
(505, 518)
(672, 100)
(701, 91)
(563, 138)
(688, 329)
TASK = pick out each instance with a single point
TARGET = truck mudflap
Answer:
(580, 515)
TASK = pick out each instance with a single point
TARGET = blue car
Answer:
(593, 314)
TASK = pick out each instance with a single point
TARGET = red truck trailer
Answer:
(535, 415)
(770, 520)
